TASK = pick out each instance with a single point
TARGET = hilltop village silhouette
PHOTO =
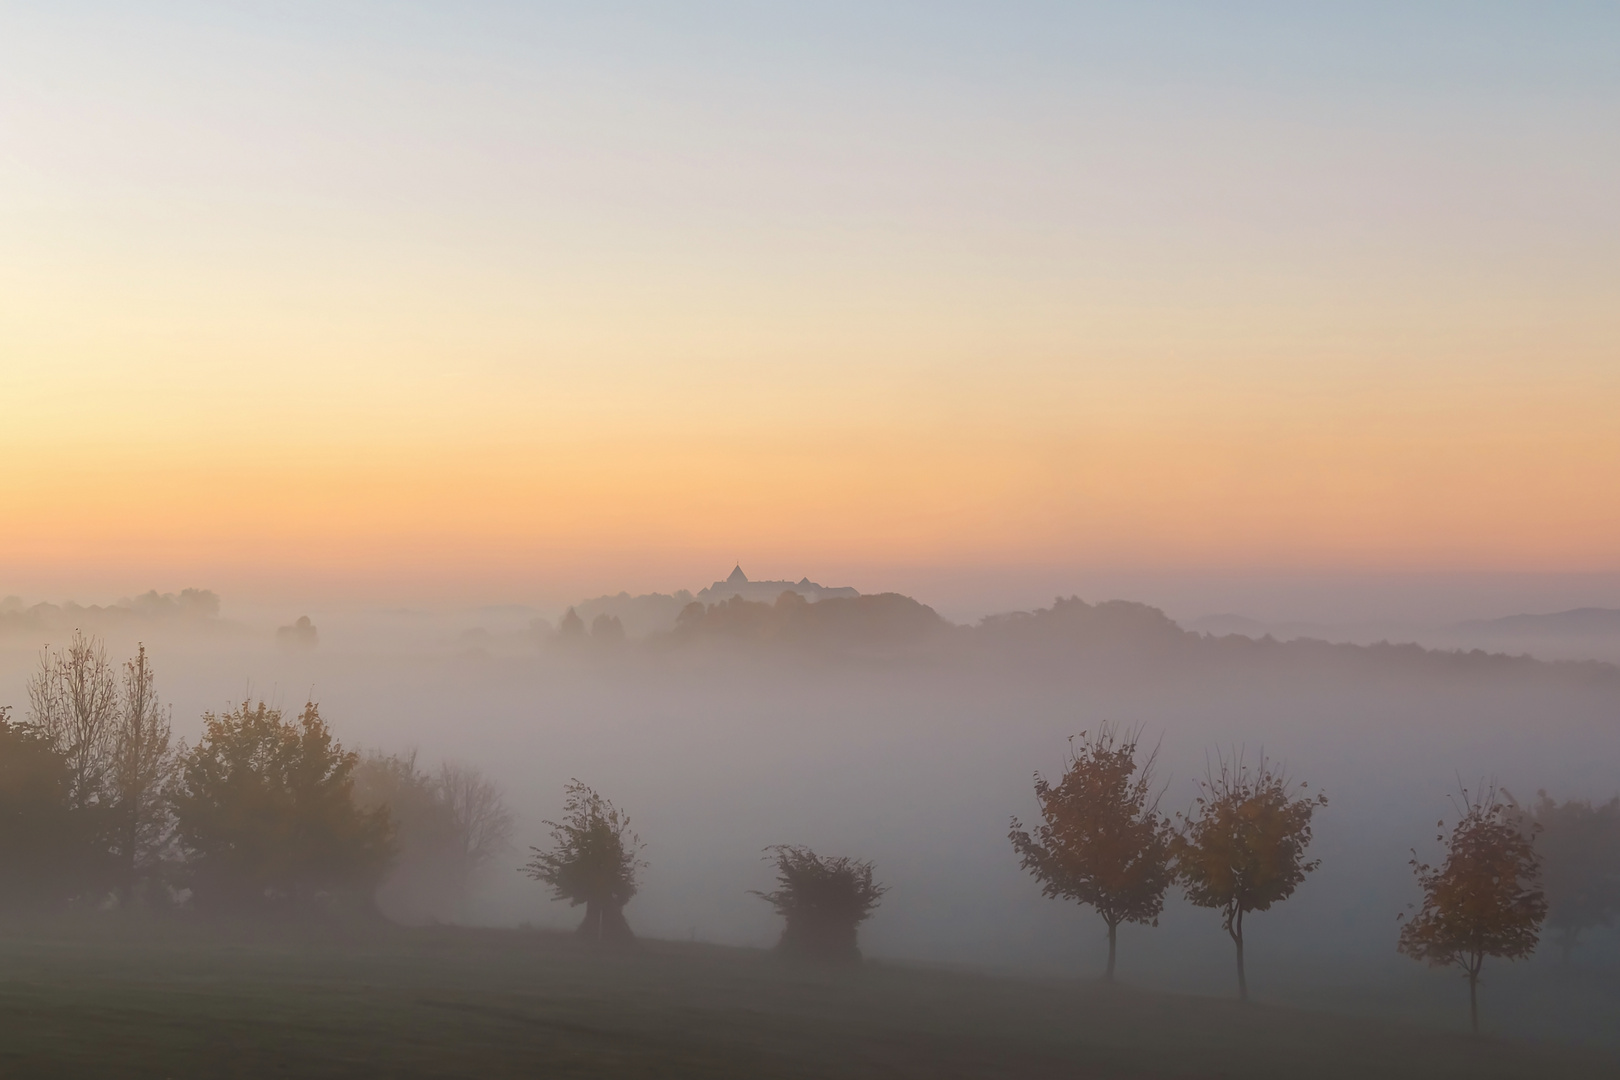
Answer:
(652, 612)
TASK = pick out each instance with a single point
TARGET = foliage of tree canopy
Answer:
(1484, 900)
(1101, 840)
(824, 901)
(1243, 846)
(592, 861)
(265, 814)
(448, 827)
(46, 843)
(1578, 844)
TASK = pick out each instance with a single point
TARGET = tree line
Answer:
(1241, 848)
(268, 812)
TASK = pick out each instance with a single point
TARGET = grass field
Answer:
(180, 1001)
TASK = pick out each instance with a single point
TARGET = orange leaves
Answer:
(1243, 849)
(1485, 899)
(1102, 841)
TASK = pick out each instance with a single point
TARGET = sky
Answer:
(489, 302)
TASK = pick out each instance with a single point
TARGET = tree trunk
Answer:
(604, 922)
(1473, 1000)
(131, 833)
(1237, 938)
(1109, 974)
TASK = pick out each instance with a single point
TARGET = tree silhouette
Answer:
(448, 826)
(1578, 844)
(47, 845)
(572, 627)
(142, 765)
(73, 699)
(481, 824)
(1101, 841)
(265, 812)
(607, 628)
(1243, 845)
(824, 901)
(1484, 900)
(593, 861)
(423, 882)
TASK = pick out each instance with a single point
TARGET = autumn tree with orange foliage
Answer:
(1242, 848)
(1101, 842)
(1484, 900)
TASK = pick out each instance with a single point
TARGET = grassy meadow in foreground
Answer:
(181, 1000)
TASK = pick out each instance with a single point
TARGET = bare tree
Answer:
(73, 698)
(482, 823)
(142, 763)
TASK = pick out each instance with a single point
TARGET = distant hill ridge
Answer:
(1586, 620)
(1073, 634)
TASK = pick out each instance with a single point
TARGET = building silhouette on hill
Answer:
(737, 584)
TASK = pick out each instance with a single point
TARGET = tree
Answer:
(264, 809)
(448, 827)
(607, 628)
(1242, 848)
(824, 901)
(593, 861)
(422, 883)
(481, 824)
(1101, 841)
(572, 627)
(141, 767)
(73, 699)
(46, 843)
(1578, 844)
(1484, 900)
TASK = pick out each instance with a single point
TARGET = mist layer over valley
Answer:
(869, 726)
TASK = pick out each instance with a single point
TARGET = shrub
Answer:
(824, 901)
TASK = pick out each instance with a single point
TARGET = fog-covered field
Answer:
(914, 748)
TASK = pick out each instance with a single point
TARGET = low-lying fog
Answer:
(914, 751)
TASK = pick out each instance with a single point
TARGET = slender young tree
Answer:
(593, 861)
(1242, 847)
(1484, 900)
(824, 901)
(1101, 841)
(143, 764)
